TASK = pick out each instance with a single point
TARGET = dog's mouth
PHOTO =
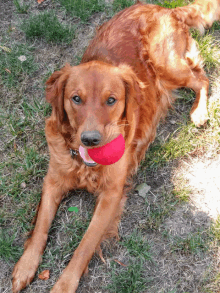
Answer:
(86, 158)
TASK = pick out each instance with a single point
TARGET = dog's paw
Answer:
(64, 286)
(199, 116)
(67, 283)
(24, 271)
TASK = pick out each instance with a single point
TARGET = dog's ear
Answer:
(133, 99)
(55, 87)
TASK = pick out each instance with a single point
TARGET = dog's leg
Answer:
(26, 267)
(106, 210)
(188, 72)
(200, 84)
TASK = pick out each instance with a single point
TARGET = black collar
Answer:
(74, 153)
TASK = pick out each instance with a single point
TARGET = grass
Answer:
(173, 4)
(72, 234)
(9, 251)
(21, 8)
(178, 145)
(129, 279)
(47, 26)
(192, 244)
(156, 212)
(82, 8)
(121, 4)
(16, 63)
(208, 48)
(137, 246)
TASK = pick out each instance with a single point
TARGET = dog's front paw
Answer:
(24, 271)
(66, 284)
(64, 287)
(199, 116)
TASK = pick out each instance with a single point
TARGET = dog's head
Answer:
(97, 100)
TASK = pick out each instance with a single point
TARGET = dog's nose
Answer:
(91, 138)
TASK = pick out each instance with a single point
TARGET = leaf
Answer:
(45, 275)
(120, 263)
(6, 49)
(73, 209)
(7, 70)
(40, 1)
(143, 189)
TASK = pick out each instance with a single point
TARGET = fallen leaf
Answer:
(143, 189)
(6, 49)
(73, 209)
(45, 275)
(7, 70)
(40, 1)
(119, 262)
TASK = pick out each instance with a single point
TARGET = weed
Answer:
(173, 3)
(8, 250)
(83, 8)
(178, 145)
(215, 229)
(121, 4)
(129, 279)
(21, 8)
(47, 26)
(208, 49)
(136, 245)
(192, 244)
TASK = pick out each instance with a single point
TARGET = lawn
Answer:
(169, 238)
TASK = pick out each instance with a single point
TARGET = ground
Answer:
(169, 238)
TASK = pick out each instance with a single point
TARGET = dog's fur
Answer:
(138, 57)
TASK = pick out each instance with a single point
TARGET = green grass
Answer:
(8, 250)
(129, 279)
(83, 8)
(13, 70)
(208, 48)
(173, 3)
(178, 145)
(24, 166)
(137, 246)
(195, 243)
(21, 8)
(121, 4)
(47, 26)
(215, 230)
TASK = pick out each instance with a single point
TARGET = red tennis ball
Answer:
(110, 153)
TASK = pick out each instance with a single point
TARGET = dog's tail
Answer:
(201, 14)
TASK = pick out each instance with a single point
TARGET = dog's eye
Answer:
(111, 101)
(76, 99)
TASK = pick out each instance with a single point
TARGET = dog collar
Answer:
(74, 153)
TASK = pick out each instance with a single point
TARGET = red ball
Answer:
(110, 153)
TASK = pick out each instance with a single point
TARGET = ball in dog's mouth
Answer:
(104, 155)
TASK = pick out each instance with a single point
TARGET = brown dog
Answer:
(122, 86)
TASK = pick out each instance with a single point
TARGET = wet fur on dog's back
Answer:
(137, 58)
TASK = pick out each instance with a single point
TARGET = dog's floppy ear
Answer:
(134, 98)
(55, 91)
